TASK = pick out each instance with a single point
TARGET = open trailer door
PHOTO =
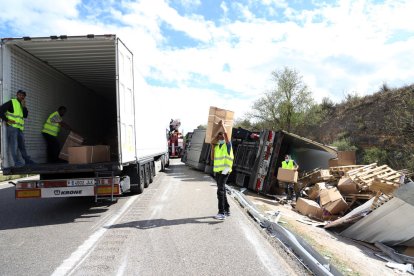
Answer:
(125, 101)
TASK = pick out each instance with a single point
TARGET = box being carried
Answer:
(286, 175)
(73, 140)
(215, 115)
(88, 154)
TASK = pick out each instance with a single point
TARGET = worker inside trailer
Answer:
(289, 164)
(50, 132)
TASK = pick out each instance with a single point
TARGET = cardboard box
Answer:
(346, 158)
(309, 208)
(333, 162)
(347, 186)
(88, 154)
(320, 176)
(286, 175)
(332, 201)
(73, 140)
(214, 117)
(316, 189)
(409, 251)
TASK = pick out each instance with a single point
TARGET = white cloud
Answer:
(337, 48)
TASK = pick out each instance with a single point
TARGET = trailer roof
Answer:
(89, 60)
(302, 142)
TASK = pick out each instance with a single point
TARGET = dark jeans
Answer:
(53, 148)
(15, 140)
(223, 205)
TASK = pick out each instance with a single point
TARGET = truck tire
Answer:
(147, 172)
(137, 182)
(163, 163)
(167, 164)
(152, 172)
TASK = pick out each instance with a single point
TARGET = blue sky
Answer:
(201, 53)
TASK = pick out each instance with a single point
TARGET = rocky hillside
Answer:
(384, 120)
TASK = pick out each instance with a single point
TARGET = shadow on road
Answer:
(179, 170)
(15, 214)
(155, 223)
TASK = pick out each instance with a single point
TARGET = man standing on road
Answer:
(289, 164)
(50, 132)
(13, 113)
(222, 157)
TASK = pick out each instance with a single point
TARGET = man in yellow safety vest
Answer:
(222, 157)
(50, 132)
(289, 164)
(13, 113)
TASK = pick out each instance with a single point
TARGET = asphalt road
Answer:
(167, 230)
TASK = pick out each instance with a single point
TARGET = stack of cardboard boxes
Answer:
(213, 127)
(331, 203)
(75, 152)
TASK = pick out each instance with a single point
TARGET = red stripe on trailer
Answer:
(53, 184)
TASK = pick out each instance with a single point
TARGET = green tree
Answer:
(283, 107)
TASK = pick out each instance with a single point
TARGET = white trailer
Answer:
(93, 76)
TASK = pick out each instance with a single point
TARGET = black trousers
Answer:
(223, 205)
(53, 148)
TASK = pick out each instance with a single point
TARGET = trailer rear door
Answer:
(125, 98)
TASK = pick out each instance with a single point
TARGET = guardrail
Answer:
(314, 261)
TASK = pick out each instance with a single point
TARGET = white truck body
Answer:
(93, 76)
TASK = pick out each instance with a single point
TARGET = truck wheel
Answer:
(163, 163)
(136, 186)
(152, 172)
(147, 175)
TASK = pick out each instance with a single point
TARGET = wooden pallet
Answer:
(315, 176)
(339, 171)
(360, 169)
(351, 199)
(380, 199)
(383, 186)
(365, 176)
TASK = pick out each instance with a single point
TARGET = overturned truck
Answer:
(256, 162)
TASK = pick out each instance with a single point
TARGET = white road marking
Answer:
(78, 256)
(5, 185)
(123, 266)
(262, 254)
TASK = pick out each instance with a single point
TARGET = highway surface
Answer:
(167, 230)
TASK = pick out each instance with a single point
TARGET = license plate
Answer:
(81, 182)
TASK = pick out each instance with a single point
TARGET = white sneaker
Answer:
(220, 217)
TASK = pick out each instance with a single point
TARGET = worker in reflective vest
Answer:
(50, 132)
(222, 157)
(13, 113)
(289, 164)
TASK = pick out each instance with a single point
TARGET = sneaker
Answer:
(220, 217)
(30, 162)
(227, 213)
(18, 165)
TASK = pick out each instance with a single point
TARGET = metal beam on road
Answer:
(310, 257)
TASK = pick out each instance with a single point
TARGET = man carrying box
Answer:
(222, 157)
(289, 164)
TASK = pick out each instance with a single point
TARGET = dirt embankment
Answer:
(383, 120)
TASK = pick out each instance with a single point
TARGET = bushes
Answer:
(375, 155)
(344, 144)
